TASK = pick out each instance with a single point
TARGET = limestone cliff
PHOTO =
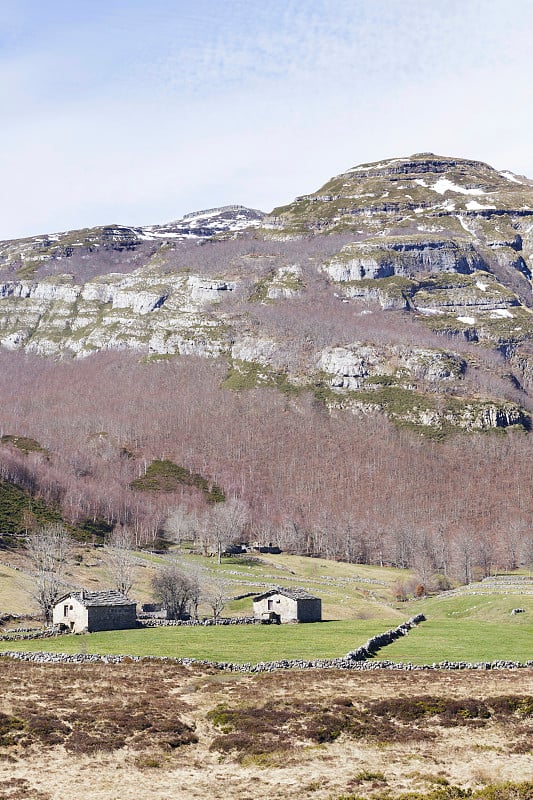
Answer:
(446, 244)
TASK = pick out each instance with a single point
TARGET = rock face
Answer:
(443, 242)
(135, 311)
(351, 368)
(406, 255)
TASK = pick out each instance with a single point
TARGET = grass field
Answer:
(358, 601)
(463, 640)
(236, 643)
(433, 641)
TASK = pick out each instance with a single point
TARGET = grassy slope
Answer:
(15, 589)
(357, 600)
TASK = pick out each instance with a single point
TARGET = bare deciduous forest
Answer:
(335, 485)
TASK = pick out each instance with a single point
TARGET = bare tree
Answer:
(214, 594)
(48, 550)
(120, 559)
(464, 549)
(225, 522)
(177, 590)
(181, 524)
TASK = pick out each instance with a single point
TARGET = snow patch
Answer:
(445, 185)
(501, 312)
(511, 177)
(377, 165)
(465, 226)
(449, 205)
(466, 320)
(482, 286)
(473, 205)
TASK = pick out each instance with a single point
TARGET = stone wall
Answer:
(270, 666)
(375, 643)
(109, 618)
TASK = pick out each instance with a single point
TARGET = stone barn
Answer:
(94, 611)
(288, 605)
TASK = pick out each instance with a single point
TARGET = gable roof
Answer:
(109, 597)
(292, 594)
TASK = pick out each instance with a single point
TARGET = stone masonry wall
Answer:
(108, 618)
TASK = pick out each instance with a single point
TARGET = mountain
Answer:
(401, 287)
(356, 368)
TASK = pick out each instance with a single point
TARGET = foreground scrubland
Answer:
(155, 730)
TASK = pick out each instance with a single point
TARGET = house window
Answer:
(270, 605)
(65, 611)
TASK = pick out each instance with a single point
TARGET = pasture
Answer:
(474, 623)
(235, 643)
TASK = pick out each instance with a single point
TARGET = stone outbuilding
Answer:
(288, 605)
(94, 611)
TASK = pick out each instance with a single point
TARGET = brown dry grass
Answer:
(159, 730)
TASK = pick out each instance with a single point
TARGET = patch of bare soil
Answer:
(146, 730)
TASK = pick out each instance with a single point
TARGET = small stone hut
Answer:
(288, 605)
(94, 611)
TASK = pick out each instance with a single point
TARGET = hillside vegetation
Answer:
(312, 480)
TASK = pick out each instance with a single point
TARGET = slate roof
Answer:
(110, 597)
(292, 594)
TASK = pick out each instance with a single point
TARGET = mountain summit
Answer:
(404, 192)
(452, 200)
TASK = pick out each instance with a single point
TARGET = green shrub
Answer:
(165, 476)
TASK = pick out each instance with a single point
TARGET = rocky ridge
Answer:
(446, 242)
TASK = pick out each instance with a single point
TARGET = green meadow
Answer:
(358, 601)
(439, 640)
(235, 643)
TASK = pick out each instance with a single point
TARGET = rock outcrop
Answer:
(407, 256)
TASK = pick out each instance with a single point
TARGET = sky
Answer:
(139, 111)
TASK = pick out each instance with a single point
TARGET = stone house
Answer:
(288, 605)
(94, 611)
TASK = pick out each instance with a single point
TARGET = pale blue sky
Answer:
(139, 111)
